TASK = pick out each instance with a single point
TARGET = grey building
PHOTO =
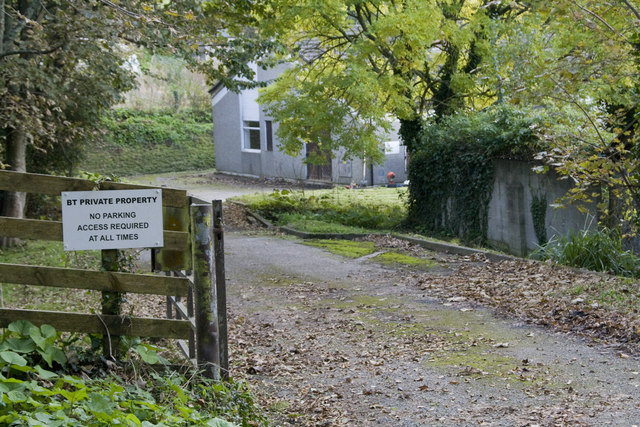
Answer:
(246, 144)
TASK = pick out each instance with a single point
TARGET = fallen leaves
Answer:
(337, 354)
(545, 294)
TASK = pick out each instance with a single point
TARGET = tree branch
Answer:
(602, 20)
(30, 52)
(577, 104)
(122, 10)
(632, 8)
(2, 21)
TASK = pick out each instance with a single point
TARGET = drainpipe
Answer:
(363, 181)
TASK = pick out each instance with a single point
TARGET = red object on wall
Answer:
(390, 177)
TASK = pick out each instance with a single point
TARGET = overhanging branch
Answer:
(30, 52)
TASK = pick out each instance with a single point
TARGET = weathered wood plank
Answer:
(111, 304)
(207, 345)
(36, 229)
(94, 280)
(33, 229)
(54, 185)
(176, 240)
(185, 348)
(167, 259)
(182, 312)
(221, 287)
(93, 323)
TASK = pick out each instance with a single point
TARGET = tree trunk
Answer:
(14, 203)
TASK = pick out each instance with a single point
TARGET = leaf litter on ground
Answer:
(597, 305)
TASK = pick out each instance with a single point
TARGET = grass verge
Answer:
(346, 248)
(358, 249)
(336, 210)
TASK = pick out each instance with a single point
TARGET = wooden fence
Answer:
(192, 262)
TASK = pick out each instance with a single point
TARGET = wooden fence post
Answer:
(207, 346)
(221, 288)
(111, 304)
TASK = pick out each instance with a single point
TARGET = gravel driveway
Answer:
(327, 340)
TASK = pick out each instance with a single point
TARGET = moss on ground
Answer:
(393, 258)
(358, 249)
(465, 346)
(347, 248)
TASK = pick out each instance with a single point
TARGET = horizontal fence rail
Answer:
(94, 280)
(36, 229)
(98, 323)
(54, 185)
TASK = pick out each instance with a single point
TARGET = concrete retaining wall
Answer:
(511, 224)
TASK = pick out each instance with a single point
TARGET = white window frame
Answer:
(246, 130)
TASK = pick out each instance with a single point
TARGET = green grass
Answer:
(597, 250)
(330, 211)
(381, 196)
(183, 179)
(302, 223)
(151, 142)
(395, 258)
(124, 161)
(50, 254)
(358, 249)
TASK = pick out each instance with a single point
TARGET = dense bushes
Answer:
(451, 172)
(137, 142)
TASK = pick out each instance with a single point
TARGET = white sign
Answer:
(114, 219)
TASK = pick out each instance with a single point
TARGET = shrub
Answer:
(36, 388)
(599, 250)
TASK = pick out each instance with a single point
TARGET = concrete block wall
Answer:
(511, 224)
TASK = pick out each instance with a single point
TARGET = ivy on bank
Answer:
(451, 170)
(39, 387)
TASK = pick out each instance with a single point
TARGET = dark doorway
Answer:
(321, 172)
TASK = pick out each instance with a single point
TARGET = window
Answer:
(269, 129)
(251, 135)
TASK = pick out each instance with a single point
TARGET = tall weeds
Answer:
(597, 250)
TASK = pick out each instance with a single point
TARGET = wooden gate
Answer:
(193, 279)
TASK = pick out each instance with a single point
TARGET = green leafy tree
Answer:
(580, 61)
(355, 66)
(61, 65)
